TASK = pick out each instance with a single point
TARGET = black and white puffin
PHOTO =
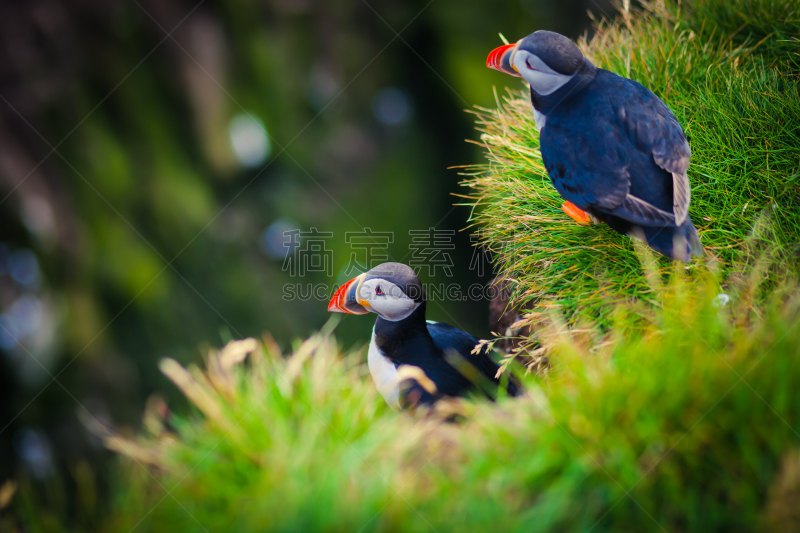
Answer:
(611, 147)
(402, 336)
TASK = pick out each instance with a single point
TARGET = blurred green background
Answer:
(153, 154)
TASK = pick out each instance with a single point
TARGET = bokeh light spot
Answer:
(36, 452)
(27, 314)
(392, 106)
(249, 140)
(276, 240)
(9, 332)
(24, 268)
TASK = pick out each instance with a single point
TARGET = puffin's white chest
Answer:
(384, 374)
(539, 119)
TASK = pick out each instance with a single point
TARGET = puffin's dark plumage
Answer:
(610, 146)
(402, 336)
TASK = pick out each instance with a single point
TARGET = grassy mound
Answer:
(691, 424)
(729, 71)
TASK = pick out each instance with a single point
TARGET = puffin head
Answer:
(546, 60)
(392, 291)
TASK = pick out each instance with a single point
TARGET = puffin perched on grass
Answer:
(613, 150)
(402, 336)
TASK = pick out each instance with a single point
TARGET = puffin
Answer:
(401, 336)
(613, 150)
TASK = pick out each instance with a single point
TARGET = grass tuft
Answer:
(729, 73)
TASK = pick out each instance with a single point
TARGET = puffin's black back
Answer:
(413, 341)
(447, 337)
(599, 144)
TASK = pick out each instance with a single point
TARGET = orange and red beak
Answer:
(501, 58)
(346, 300)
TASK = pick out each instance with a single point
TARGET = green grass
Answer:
(690, 423)
(729, 71)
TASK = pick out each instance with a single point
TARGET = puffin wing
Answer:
(654, 130)
(447, 337)
(589, 164)
(589, 172)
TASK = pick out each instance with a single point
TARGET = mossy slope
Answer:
(729, 71)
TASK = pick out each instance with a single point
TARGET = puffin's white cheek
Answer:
(545, 83)
(395, 309)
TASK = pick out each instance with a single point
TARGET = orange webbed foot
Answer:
(577, 214)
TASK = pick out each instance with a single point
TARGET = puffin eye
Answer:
(379, 291)
(527, 64)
